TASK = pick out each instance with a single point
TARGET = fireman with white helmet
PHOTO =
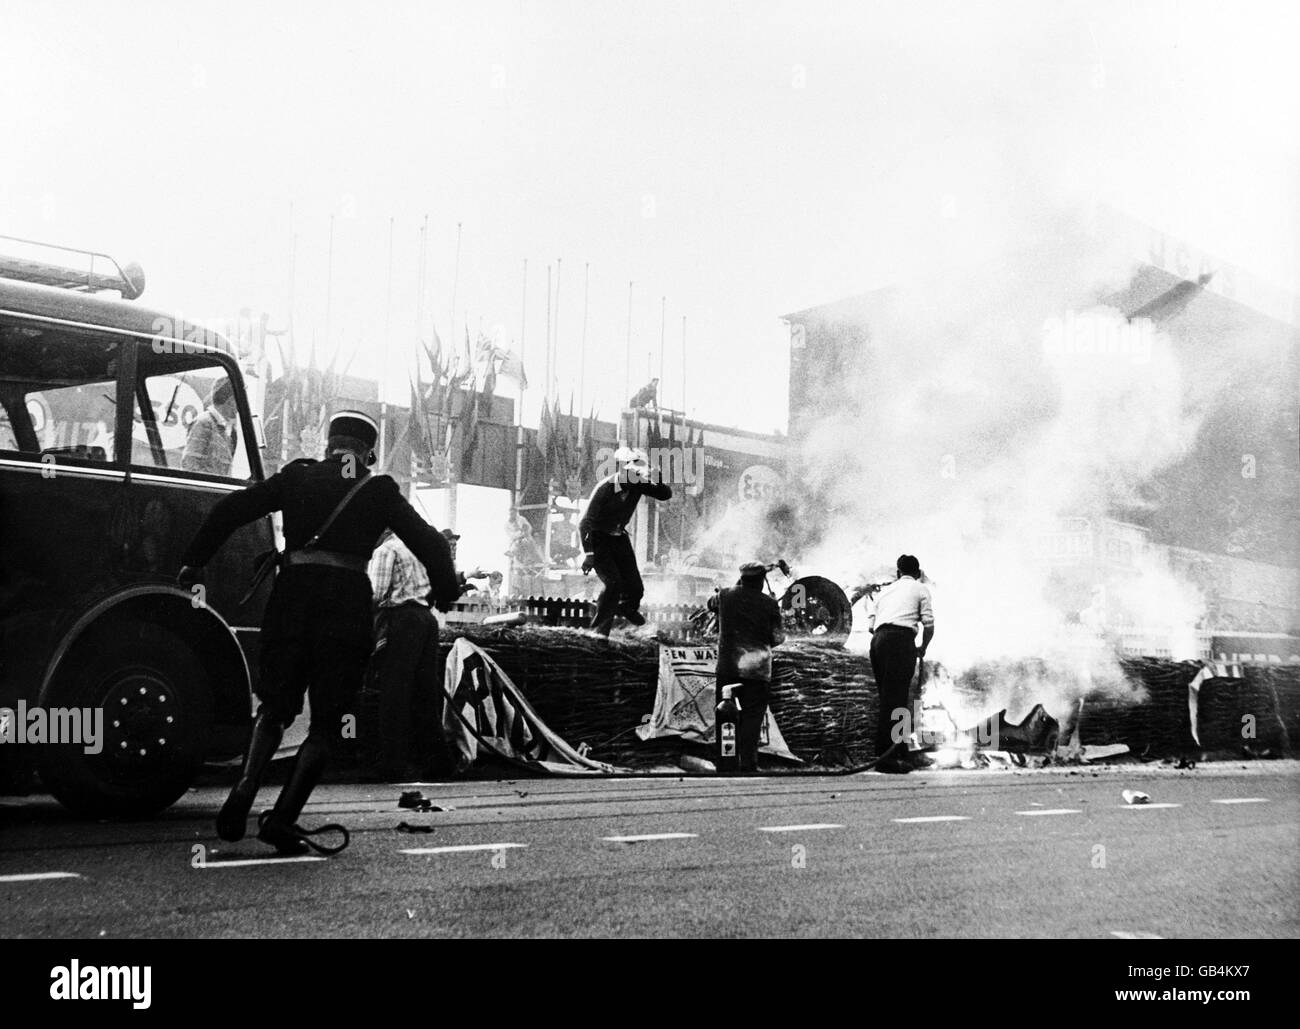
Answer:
(605, 541)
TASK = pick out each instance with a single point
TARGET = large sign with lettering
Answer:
(685, 702)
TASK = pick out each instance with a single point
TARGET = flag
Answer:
(569, 465)
(512, 367)
(486, 715)
(469, 356)
(545, 430)
(590, 456)
(698, 494)
(468, 422)
(511, 364)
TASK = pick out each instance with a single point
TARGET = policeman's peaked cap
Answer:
(356, 424)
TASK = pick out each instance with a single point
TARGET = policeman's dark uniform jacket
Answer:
(749, 626)
(608, 547)
(316, 631)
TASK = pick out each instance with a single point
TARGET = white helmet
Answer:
(631, 455)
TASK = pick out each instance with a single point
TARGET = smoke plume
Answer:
(997, 402)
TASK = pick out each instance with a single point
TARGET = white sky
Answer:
(794, 153)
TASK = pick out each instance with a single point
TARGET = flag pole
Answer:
(559, 261)
(419, 292)
(683, 373)
(627, 373)
(388, 332)
(452, 500)
(519, 420)
(329, 282)
(284, 358)
(546, 388)
(421, 269)
(455, 282)
(681, 526)
(663, 337)
(582, 356)
(546, 463)
(523, 329)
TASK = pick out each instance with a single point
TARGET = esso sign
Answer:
(759, 484)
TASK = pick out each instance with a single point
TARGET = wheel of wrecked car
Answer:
(815, 606)
(157, 711)
(704, 623)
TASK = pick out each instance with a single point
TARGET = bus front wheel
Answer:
(144, 705)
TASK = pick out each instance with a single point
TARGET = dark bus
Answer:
(98, 497)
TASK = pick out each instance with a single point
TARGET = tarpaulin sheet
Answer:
(685, 702)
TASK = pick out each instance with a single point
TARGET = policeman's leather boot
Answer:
(262, 745)
(278, 827)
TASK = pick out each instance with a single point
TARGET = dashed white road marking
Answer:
(800, 828)
(935, 818)
(36, 876)
(1241, 800)
(247, 862)
(462, 848)
(1125, 935)
(1145, 807)
(650, 836)
(1051, 811)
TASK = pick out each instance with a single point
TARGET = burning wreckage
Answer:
(560, 699)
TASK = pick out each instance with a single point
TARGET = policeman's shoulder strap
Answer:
(347, 497)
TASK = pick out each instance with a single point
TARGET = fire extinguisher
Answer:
(727, 724)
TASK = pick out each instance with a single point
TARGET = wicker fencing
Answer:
(596, 691)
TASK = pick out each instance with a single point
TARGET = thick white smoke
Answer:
(999, 401)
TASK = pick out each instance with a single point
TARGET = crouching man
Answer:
(406, 666)
(749, 626)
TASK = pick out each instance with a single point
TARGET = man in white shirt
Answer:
(900, 607)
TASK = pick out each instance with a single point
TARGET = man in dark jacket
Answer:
(749, 626)
(607, 546)
(316, 632)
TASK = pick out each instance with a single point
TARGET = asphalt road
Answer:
(934, 854)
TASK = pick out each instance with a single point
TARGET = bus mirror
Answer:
(258, 434)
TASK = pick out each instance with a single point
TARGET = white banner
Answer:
(685, 702)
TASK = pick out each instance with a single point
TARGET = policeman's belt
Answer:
(329, 558)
